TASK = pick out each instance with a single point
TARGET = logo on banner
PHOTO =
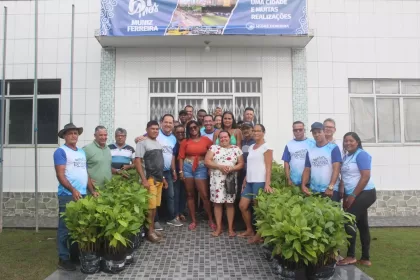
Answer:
(142, 7)
(250, 26)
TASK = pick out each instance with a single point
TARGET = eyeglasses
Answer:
(120, 135)
(329, 127)
(298, 130)
(193, 127)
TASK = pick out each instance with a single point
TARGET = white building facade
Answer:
(360, 66)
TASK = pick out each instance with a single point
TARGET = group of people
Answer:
(224, 162)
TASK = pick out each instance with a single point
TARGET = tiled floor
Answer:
(197, 255)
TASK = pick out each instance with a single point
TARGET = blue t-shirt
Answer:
(320, 160)
(350, 170)
(295, 154)
(208, 135)
(168, 143)
(76, 169)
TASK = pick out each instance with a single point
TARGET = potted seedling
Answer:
(82, 224)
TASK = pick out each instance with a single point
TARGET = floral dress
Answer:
(222, 156)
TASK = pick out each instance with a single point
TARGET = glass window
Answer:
(362, 112)
(410, 87)
(412, 119)
(20, 121)
(387, 87)
(48, 115)
(361, 86)
(389, 124)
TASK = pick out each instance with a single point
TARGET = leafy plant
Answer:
(82, 223)
(303, 230)
(122, 209)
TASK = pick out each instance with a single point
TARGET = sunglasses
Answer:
(298, 130)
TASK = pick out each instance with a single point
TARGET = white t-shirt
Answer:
(255, 170)
(339, 143)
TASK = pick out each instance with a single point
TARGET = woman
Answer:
(258, 176)
(223, 160)
(192, 170)
(229, 125)
(179, 187)
(360, 194)
(218, 121)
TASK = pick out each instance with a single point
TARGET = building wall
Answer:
(364, 39)
(54, 63)
(135, 66)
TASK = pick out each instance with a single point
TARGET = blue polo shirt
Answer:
(320, 160)
(76, 169)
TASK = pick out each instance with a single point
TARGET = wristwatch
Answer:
(331, 187)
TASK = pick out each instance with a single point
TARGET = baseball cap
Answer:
(247, 124)
(182, 112)
(317, 125)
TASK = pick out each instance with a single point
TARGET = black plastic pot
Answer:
(90, 262)
(289, 274)
(113, 263)
(321, 273)
(129, 258)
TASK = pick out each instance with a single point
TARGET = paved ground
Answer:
(197, 255)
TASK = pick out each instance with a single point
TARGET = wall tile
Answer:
(107, 89)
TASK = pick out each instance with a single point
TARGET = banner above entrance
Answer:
(203, 17)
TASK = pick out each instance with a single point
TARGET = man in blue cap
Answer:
(322, 165)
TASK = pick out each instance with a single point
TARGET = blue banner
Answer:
(203, 17)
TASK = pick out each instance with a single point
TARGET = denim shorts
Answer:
(251, 189)
(199, 173)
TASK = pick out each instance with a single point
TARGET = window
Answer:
(385, 111)
(20, 111)
(169, 96)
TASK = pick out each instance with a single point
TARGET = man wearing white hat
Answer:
(71, 172)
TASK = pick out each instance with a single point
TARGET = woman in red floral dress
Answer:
(223, 160)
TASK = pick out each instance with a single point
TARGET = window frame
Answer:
(375, 96)
(205, 94)
(9, 97)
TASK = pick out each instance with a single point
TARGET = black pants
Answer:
(360, 209)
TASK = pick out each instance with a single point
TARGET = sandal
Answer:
(192, 226)
(365, 263)
(212, 226)
(232, 234)
(215, 234)
(347, 261)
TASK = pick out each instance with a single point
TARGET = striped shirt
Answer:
(121, 156)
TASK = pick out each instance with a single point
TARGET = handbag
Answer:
(230, 183)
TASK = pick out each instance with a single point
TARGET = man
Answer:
(99, 159)
(190, 111)
(247, 140)
(329, 125)
(249, 115)
(168, 141)
(294, 154)
(183, 117)
(150, 153)
(122, 154)
(71, 172)
(200, 116)
(208, 128)
(322, 165)
(218, 112)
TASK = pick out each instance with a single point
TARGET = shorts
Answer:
(155, 191)
(251, 189)
(199, 173)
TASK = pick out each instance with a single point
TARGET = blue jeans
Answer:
(62, 231)
(180, 198)
(168, 194)
(336, 196)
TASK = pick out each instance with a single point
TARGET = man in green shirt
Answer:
(98, 157)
